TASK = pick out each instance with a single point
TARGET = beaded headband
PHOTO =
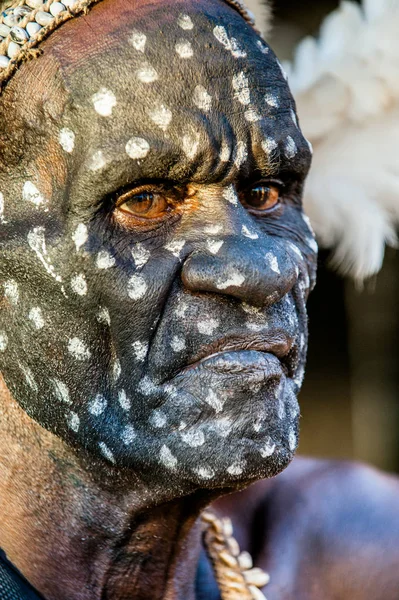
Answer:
(26, 23)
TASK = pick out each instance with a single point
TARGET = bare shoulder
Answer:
(325, 529)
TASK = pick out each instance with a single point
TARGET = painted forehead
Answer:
(181, 89)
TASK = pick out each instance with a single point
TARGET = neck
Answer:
(76, 537)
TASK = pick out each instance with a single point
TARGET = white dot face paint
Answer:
(106, 452)
(158, 419)
(37, 241)
(290, 147)
(61, 391)
(104, 102)
(194, 439)
(2, 208)
(167, 458)
(252, 116)
(97, 406)
(80, 236)
(140, 350)
(262, 47)
(205, 472)
(140, 255)
(138, 40)
(97, 161)
(294, 118)
(230, 194)
(208, 326)
(190, 145)
(175, 247)
(184, 21)
(233, 279)
(103, 316)
(124, 401)
(230, 44)
(67, 139)
(273, 263)
(177, 344)
(31, 194)
(73, 421)
(128, 435)
(146, 386)
(252, 235)
(184, 49)
(241, 89)
(78, 349)
(30, 380)
(3, 341)
(11, 291)
(236, 468)
(214, 245)
(225, 153)
(202, 99)
(272, 100)
(161, 116)
(104, 260)
(213, 229)
(79, 284)
(268, 449)
(146, 73)
(311, 242)
(137, 148)
(292, 440)
(214, 401)
(36, 316)
(116, 370)
(269, 145)
(136, 287)
(241, 154)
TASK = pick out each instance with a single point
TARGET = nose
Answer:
(258, 272)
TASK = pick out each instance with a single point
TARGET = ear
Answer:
(263, 14)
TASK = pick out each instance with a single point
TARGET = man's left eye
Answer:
(262, 197)
(144, 204)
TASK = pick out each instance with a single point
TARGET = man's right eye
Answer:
(144, 204)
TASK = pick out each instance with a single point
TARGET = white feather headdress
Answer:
(346, 85)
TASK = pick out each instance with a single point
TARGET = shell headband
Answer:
(28, 22)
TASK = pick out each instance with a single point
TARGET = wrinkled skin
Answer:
(101, 315)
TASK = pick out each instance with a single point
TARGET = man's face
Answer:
(155, 260)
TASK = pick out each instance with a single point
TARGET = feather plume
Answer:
(346, 84)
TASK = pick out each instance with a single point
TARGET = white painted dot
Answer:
(290, 147)
(158, 419)
(161, 116)
(229, 44)
(214, 401)
(78, 349)
(177, 344)
(233, 279)
(106, 452)
(190, 144)
(128, 435)
(292, 440)
(140, 350)
(2, 208)
(251, 310)
(184, 21)
(295, 249)
(37, 241)
(146, 386)
(230, 194)
(202, 99)
(193, 438)
(262, 47)
(205, 472)
(269, 145)
(79, 284)
(140, 255)
(11, 291)
(223, 427)
(105, 260)
(225, 153)
(30, 193)
(167, 458)
(30, 380)
(123, 400)
(249, 233)
(272, 100)
(311, 242)
(3, 341)
(67, 139)
(214, 245)
(80, 236)
(137, 148)
(273, 262)
(294, 117)
(213, 229)
(146, 73)
(73, 421)
(61, 391)
(241, 88)
(136, 287)
(175, 247)
(208, 325)
(241, 154)
(97, 161)
(268, 449)
(103, 316)
(116, 370)
(138, 40)
(184, 49)
(252, 116)
(98, 405)
(36, 316)
(104, 102)
(236, 468)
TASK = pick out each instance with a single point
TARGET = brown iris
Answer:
(144, 204)
(261, 197)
